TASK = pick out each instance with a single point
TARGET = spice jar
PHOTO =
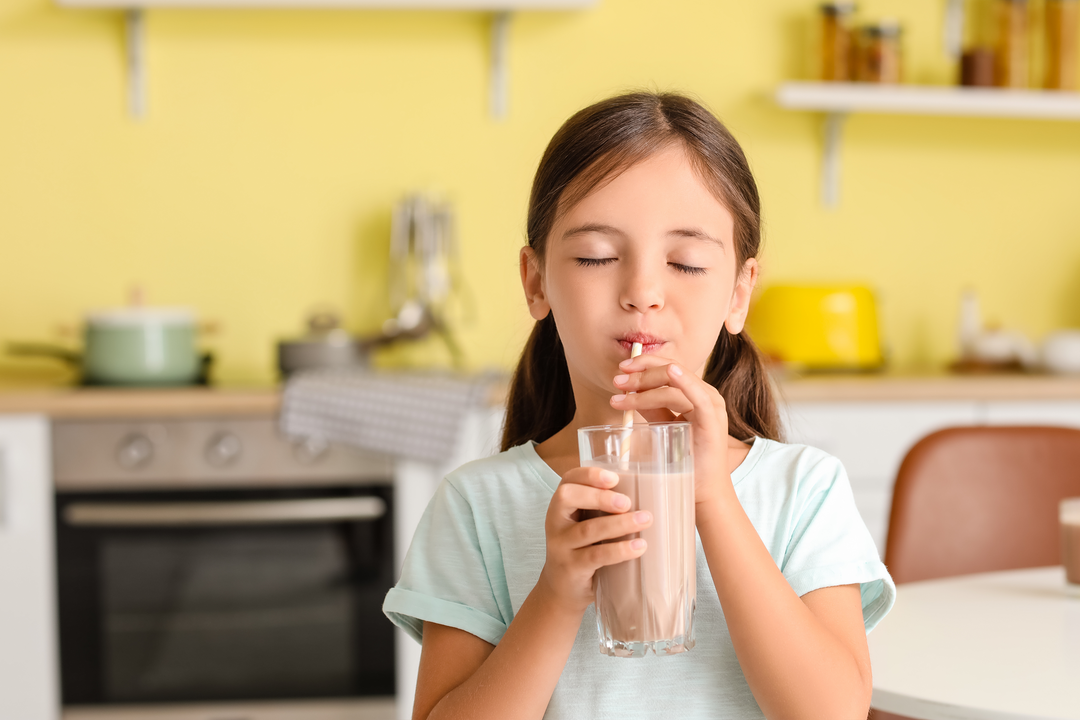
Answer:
(1062, 43)
(836, 41)
(1012, 44)
(878, 53)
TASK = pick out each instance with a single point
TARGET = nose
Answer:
(642, 290)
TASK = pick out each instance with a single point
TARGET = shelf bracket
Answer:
(135, 30)
(500, 72)
(830, 162)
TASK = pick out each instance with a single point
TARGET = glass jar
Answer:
(1012, 44)
(1062, 43)
(879, 53)
(836, 41)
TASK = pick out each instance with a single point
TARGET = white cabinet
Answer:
(871, 438)
(28, 658)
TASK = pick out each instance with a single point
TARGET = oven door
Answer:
(169, 597)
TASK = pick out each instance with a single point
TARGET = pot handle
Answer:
(44, 350)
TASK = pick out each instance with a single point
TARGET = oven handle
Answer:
(347, 509)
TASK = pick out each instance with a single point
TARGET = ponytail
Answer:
(541, 398)
(738, 372)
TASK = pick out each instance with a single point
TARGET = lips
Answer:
(649, 343)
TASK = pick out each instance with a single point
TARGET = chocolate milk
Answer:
(648, 603)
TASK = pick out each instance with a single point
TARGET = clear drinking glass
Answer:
(647, 604)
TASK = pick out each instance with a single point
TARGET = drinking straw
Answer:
(628, 415)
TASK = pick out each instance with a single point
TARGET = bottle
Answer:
(879, 53)
(1012, 44)
(1062, 41)
(836, 41)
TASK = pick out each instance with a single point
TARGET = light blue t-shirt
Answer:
(480, 547)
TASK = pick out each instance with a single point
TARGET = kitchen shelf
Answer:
(500, 30)
(838, 100)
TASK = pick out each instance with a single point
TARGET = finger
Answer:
(647, 379)
(597, 556)
(591, 476)
(641, 362)
(569, 498)
(672, 399)
(708, 404)
(608, 527)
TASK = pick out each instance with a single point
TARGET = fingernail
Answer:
(626, 362)
(622, 502)
(642, 517)
(621, 379)
(611, 478)
(637, 544)
(676, 370)
(617, 398)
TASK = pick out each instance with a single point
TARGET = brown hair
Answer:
(593, 146)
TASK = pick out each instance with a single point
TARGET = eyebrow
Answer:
(698, 233)
(587, 228)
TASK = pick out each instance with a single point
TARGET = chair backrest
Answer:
(980, 499)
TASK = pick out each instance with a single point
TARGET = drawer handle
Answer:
(225, 513)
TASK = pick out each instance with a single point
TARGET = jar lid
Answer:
(127, 317)
(838, 8)
(882, 29)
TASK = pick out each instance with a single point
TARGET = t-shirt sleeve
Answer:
(829, 544)
(444, 578)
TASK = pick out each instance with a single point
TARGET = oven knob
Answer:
(309, 450)
(223, 449)
(134, 452)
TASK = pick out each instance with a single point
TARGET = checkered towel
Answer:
(414, 415)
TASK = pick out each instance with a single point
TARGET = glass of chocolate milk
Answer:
(647, 604)
(1069, 514)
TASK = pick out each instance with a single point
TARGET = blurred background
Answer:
(260, 182)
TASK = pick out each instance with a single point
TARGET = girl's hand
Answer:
(665, 391)
(575, 541)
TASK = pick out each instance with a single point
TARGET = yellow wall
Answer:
(260, 183)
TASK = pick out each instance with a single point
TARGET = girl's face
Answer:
(649, 257)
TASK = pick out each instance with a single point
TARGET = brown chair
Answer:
(980, 499)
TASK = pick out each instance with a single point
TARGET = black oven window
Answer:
(167, 614)
(231, 613)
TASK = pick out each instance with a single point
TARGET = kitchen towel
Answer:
(409, 414)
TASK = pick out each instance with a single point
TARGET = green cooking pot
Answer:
(141, 346)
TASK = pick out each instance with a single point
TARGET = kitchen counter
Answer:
(100, 403)
(70, 402)
(885, 388)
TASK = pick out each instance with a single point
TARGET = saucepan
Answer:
(142, 346)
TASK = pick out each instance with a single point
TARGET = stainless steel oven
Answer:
(214, 570)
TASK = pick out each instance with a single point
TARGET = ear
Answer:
(532, 282)
(740, 298)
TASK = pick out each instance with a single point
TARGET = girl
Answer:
(644, 223)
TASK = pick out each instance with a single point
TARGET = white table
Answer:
(994, 646)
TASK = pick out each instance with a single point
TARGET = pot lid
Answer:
(139, 316)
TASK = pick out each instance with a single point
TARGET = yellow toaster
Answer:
(818, 327)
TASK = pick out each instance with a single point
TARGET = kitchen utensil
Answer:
(818, 327)
(1061, 352)
(138, 346)
(326, 345)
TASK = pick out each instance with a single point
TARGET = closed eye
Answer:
(594, 262)
(688, 269)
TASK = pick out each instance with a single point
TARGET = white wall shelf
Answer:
(838, 100)
(134, 14)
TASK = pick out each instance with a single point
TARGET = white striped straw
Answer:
(628, 415)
